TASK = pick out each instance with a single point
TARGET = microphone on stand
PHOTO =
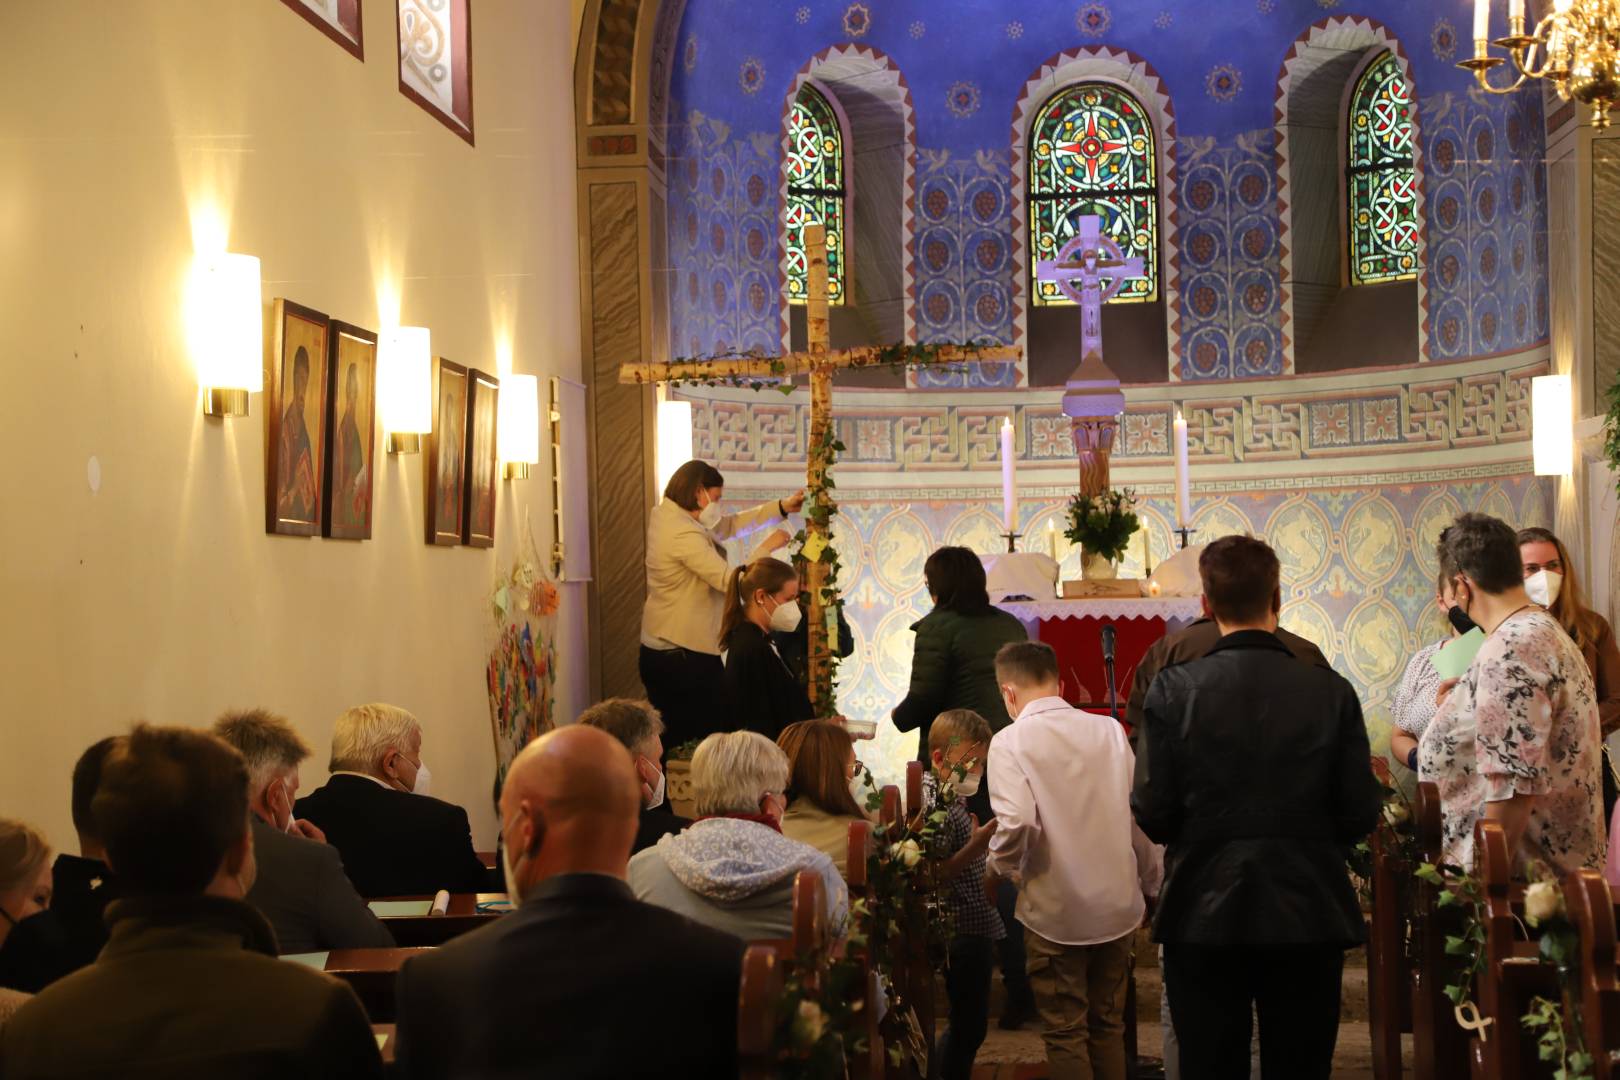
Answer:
(1108, 633)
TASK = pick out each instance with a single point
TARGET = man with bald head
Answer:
(569, 984)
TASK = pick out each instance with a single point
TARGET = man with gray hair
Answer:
(301, 888)
(395, 838)
(733, 869)
(638, 726)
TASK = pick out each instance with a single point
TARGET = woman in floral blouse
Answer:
(1516, 738)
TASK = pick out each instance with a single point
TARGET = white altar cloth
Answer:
(1172, 609)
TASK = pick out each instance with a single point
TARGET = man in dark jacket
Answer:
(1253, 770)
(395, 838)
(188, 985)
(640, 730)
(560, 986)
(300, 887)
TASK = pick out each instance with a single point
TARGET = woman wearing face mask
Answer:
(25, 896)
(762, 597)
(823, 777)
(686, 583)
(1415, 703)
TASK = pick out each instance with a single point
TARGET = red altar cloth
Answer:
(1074, 630)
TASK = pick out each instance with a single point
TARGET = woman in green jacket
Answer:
(954, 662)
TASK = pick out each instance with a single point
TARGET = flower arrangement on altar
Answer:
(1103, 524)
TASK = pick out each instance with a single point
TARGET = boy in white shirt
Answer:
(1060, 783)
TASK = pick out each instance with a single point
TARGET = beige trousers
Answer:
(1080, 993)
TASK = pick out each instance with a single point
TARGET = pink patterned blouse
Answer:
(1522, 721)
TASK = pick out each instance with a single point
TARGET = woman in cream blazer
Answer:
(686, 583)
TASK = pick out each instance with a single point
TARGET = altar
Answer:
(1074, 630)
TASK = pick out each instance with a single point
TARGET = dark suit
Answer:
(1253, 770)
(395, 843)
(564, 986)
(189, 987)
(302, 890)
(1189, 643)
(655, 825)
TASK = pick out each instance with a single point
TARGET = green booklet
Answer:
(1451, 660)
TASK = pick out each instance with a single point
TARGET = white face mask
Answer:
(424, 780)
(658, 790)
(1543, 586)
(968, 786)
(785, 619)
(709, 516)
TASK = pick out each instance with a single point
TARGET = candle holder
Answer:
(1183, 533)
(1012, 539)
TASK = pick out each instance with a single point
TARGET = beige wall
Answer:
(161, 596)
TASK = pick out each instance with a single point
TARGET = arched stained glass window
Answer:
(1381, 183)
(815, 191)
(1091, 151)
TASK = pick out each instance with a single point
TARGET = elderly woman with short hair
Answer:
(25, 894)
(733, 869)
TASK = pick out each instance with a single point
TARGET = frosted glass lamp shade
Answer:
(1552, 425)
(517, 428)
(405, 380)
(226, 323)
(674, 439)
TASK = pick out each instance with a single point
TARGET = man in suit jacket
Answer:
(188, 985)
(1253, 771)
(301, 887)
(639, 728)
(395, 839)
(475, 1007)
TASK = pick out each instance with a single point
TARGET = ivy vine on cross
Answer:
(819, 361)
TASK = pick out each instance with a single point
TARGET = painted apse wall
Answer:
(160, 596)
(1349, 475)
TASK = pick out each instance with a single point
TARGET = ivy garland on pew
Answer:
(1561, 1039)
(1398, 835)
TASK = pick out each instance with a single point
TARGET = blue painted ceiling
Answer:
(966, 60)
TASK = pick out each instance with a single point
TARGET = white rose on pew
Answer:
(1396, 814)
(907, 852)
(1541, 902)
(809, 1024)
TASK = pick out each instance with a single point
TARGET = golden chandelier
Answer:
(1576, 46)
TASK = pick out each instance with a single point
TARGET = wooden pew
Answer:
(1514, 971)
(871, 1064)
(384, 1034)
(1389, 984)
(1439, 1046)
(1591, 909)
(914, 789)
(758, 1001)
(372, 974)
(462, 917)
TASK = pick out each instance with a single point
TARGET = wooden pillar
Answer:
(819, 666)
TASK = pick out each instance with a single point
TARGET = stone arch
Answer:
(1099, 63)
(1317, 73)
(870, 93)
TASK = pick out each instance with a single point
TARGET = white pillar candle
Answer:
(1515, 9)
(1482, 19)
(1009, 498)
(1183, 486)
(1051, 538)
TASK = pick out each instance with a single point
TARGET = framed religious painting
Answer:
(478, 519)
(351, 421)
(445, 460)
(337, 19)
(295, 385)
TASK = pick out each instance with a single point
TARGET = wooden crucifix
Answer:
(1092, 400)
(819, 361)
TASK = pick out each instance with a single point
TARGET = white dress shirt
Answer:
(686, 575)
(1060, 784)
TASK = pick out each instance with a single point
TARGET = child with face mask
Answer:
(958, 744)
(762, 597)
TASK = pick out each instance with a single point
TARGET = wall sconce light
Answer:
(674, 445)
(1552, 425)
(405, 386)
(226, 324)
(517, 428)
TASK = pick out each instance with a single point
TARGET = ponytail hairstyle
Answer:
(743, 582)
(1570, 609)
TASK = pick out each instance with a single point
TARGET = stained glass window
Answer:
(1379, 177)
(1091, 151)
(815, 191)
